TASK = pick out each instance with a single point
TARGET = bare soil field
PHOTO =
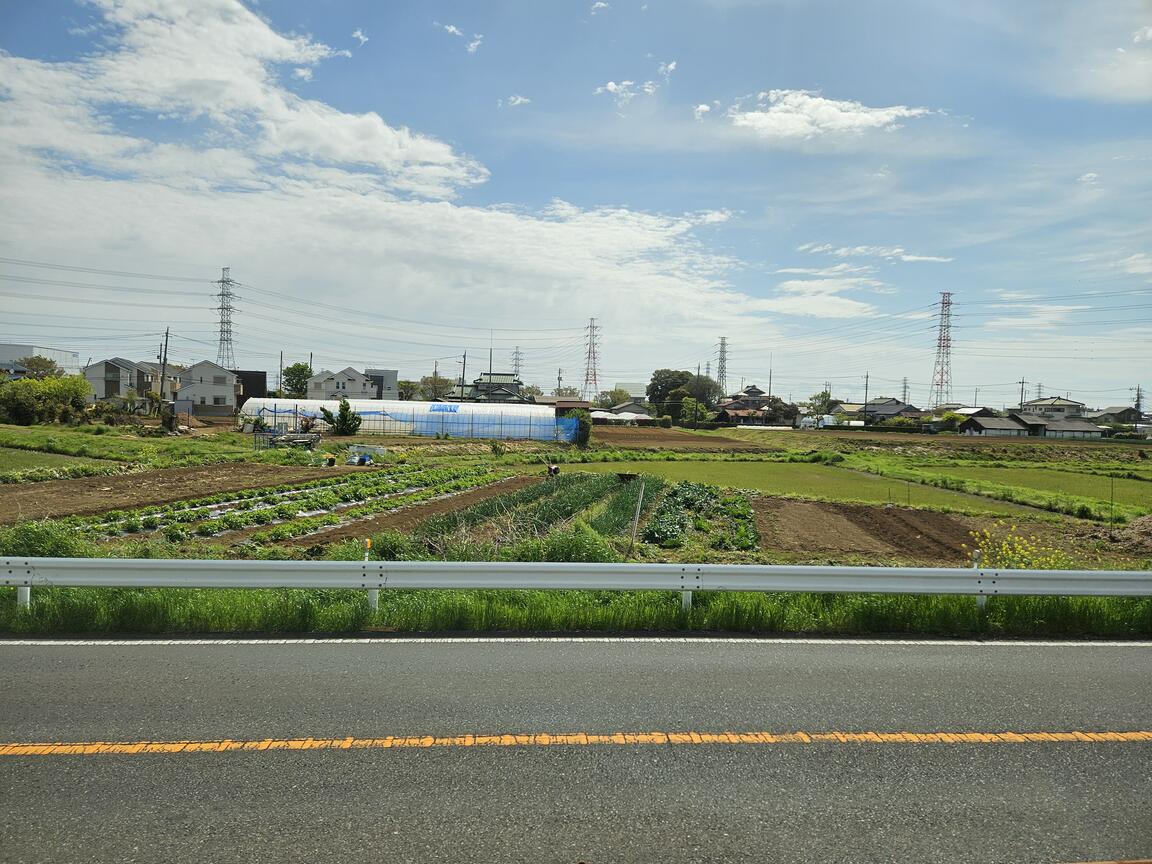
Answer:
(839, 529)
(656, 438)
(409, 517)
(87, 495)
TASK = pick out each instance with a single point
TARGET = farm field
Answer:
(656, 438)
(1135, 492)
(813, 481)
(19, 460)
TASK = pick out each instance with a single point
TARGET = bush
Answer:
(666, 421)
(45, 539)
(345, 422)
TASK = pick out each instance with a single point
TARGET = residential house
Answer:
(383, 381)
(974, 412)
(345, 384)
(750, 397)
(847, 408)
(563, 404)
(1053, 406)
(113, 378)
(1115, 414)
(1032, 422)
(742, 416)
(993, 427)
(69, 361)
(879, 410)
(634, 407)
(171, 381)
(209, 390)
(1073, 427)
(490, 387)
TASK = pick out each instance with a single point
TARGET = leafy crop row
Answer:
(617, 515)
(727, 521)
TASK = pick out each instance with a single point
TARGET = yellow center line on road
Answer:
(574, 739)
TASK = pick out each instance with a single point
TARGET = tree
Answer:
(30, 400)
(608, 398)
(531, 390)
(40, 367)
(434, 387)
(566, 392)
(295, 380)
(407, 389)
(692, 411)
(663, 382)
(131, 400)
(674, 401)
(822, 403)
(704, 389)
(346, 421)
(780, 413)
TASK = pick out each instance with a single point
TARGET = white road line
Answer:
(396, 642)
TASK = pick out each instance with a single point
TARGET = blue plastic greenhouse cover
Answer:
(431, 419)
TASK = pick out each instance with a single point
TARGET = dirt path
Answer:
(409, 517)
(86, 495)
(859, 529)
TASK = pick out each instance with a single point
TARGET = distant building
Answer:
(993, 427)
(1053, 406)
(253, 385)
(1115, 414)
(633, 406)
(345, 384)
(1046, 427)
(12, 371)
(384, 382)
(113, 378)
(633, 388)
(751, 397)
(490, 387)
(171, 378)
(209, 390)
(69, 361)
(886, 408)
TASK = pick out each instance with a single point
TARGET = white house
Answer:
(346, 384)
(113, 378)
(210, 389)
(1053, 406)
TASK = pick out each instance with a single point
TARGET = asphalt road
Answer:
(1040, 801)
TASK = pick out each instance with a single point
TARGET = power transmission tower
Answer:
(225, 356)
(592, 360)
(722, 365)
(517, 361)
(904, 392)
(708, 369)
(942, 371)
(1039, 390)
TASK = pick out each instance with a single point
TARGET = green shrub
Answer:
(45, 539)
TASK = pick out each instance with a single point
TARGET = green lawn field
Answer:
(21, 460)
(812, 481)
(1137, 493)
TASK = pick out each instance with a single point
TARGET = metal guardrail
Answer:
(25, 573)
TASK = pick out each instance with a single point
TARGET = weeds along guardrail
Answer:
(24, 573)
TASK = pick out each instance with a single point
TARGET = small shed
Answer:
(993, 427)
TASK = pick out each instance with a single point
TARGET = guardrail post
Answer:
(686, 601)
(981, 598)
(373, 593)
(24, 597)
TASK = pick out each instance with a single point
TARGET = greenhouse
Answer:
(431, 419)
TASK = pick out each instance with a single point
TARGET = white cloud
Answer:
(623, 91)
(699, 111)
(1089, 178)
(474, 45)
(890, 253)
(218, 63)
(799, 115)
(1041, 316)
(1144, 34)
(1138, 264)
(665, 70)
(359, 34)
(450, 28)
(513, 101)
(599, 6)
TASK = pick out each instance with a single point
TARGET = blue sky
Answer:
(803, 178)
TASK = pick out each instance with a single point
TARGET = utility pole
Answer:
(164, 364)
(1022, 382)
(489, 359)
(865, 388)
(559, 378)
(696, 403)
(280, 377)
(976, 398)
(904, 391)
(1139, 403)
(309, 359)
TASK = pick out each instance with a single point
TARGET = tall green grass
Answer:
(76, 611)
